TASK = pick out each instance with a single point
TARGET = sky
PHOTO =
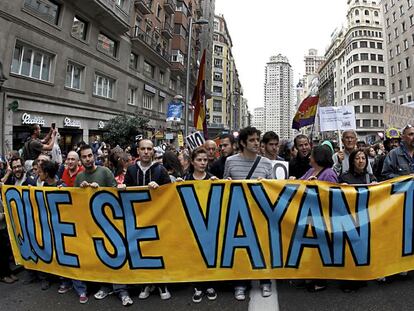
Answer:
(263, 28)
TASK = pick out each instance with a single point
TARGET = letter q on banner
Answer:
(280, 169)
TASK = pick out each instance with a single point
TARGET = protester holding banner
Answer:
(249, 165)
(95, 177)
(321, 169)
(145, 172)
(300, 165)
(357, 173)
(227, 147)
(199, 162)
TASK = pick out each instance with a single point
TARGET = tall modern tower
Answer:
(279, 97)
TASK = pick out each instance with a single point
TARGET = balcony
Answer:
(178, 67)
(113, 14)
(144, 6)
(146, 40)
(169, 6)
(167, 31)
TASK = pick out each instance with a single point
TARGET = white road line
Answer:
(258, 303)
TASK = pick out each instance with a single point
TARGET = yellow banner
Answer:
(221, 230)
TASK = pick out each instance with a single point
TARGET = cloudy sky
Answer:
(262, 28)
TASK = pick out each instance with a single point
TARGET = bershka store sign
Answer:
(67, 122)
(29, 119)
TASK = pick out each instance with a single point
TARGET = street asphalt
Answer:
(397, 295)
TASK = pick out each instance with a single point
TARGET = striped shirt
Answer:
(237, 167)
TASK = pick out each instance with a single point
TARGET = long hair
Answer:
(172, 164)
(352, 157)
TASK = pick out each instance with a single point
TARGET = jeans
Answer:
(79, 286)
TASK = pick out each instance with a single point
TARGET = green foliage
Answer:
(121, 130)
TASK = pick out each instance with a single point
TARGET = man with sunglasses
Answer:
(400, 161)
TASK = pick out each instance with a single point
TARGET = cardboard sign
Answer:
(195, 140)
(337, 118)
(397, 116)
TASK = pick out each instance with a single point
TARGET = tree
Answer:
(122, 129)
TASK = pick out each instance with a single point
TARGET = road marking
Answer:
(258, 303)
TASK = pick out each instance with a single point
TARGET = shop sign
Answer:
(101, 124)
(71, 123)
(162, 94)
(28, 119)
(150, 89)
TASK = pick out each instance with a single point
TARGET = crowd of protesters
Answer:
(249, 157)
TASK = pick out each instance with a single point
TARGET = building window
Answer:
(218, 63)
(407, 63)
(400, 85)
(162, 77)
(79, 28)
(45, 9)
(133, 61)
(363, 44)
(218, 50)
(365, 95)
(357, 109)
(405, 44)
(149, 69)
(408, 82)
(103, 86)
(366, 123)
(375, 109)
(132, 95)
(217, 120)
(375, 123)
(161, 104)
(107, 45)
(366, 109)
(218, 76)
(173, 84)
(74, 74)
(31, 62)
(147, 101)
(217, 106)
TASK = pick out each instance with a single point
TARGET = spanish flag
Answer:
(306, 112)
(199, 98)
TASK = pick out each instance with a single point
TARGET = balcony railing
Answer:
(167, 31)
(169, 6)
(148, 40)
(144, 6)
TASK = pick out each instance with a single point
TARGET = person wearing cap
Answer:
(400, 161)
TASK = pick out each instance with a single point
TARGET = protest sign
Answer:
(397, 116)
(195, 140)
(280, 169)
(337, 118)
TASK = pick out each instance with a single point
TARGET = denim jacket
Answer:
(398, 163)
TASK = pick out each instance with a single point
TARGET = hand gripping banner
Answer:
(221, 230)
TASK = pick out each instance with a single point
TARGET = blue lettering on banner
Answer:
(406, 187)
(309, 216)
(98, 203)
(274, 214)
(205, 229)
(239, 214)
(61, 229)
(23, 240)
(135, 235)
(355, 231)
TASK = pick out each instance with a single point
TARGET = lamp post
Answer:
(3, 109)
(187, 81)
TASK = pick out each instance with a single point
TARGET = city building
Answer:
(354, 71)
(226, 102)
(279, 98)
(259, 118)
(399, 39)
(79, 63)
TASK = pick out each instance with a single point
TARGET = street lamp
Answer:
(187, 82)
